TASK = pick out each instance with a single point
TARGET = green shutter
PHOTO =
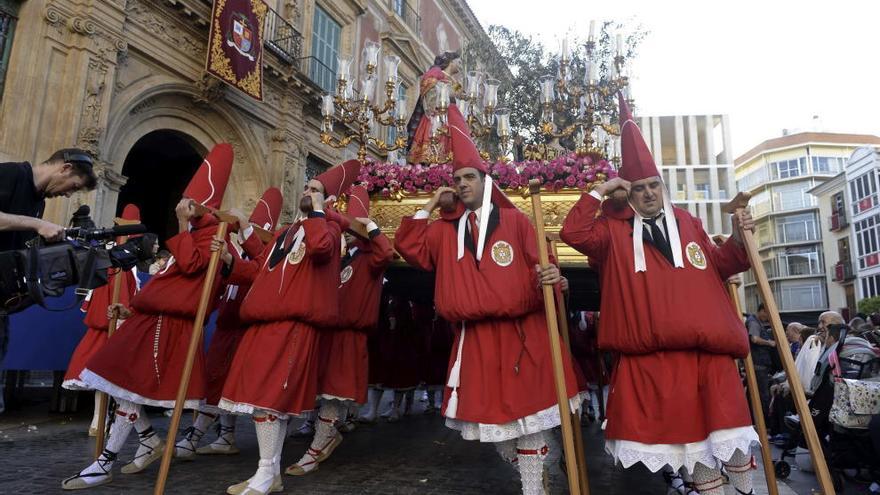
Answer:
(325, 48)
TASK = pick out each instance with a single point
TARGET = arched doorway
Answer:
(158, 167)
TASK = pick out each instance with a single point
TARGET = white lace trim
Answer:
(75, 384)
(96, 382)
(227, 406)
(337, 398)
(534, 423)
(717, 448)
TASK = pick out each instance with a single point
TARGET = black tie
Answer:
(659, 240)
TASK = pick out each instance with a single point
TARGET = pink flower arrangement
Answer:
(566, 171)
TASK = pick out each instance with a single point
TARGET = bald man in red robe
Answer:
(676, 398)
(500, 387)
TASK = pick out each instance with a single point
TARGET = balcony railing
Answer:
(408, 14)
(282, 39)
(838, 221)
(843, 271)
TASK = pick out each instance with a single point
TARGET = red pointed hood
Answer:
(209, 183)
(465, 154)
(268, 209)
(338, 179)
(359, 202)
(132, 213)
(637, 162)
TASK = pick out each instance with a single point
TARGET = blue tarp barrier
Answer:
(45, 340)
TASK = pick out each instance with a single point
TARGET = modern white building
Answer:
(779, 173)
(695, 158)
(863, 187)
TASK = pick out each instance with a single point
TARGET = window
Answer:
(843, 249)
(392, 130)
(8, 19)
(792, 196)
(827, 164)
(325, 49)
(787, 169)
(399, 6)
(796, 261)
(863, 190)
(802, 295)
(765, 234)
(752, 179)
(796, 228)
(871, 286)
(314, 167)
(837, 204)
(867, 248)
(761, 204)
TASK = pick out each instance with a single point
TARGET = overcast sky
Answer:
(769, 64)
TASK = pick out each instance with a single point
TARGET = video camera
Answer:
(29, 276)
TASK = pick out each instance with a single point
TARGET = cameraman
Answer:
(23, 190)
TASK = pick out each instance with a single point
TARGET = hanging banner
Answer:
(235, 44)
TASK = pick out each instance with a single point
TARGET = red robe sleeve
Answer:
(729, 259)
(189, 256)
(243, 271)
(253, 246)
(586, 232)
(411, 241)
(320, 235)
(381, 255)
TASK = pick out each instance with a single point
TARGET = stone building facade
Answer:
(125, 80)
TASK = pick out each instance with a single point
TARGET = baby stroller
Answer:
(845, 449)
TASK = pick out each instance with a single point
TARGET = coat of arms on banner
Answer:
(241, 36)
(235, 44)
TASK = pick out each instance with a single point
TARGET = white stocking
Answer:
(269, 427)
(708, 481)
(739, 469)
(325, 433)
(126, 415)
(530, 453)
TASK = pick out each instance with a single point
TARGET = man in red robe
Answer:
(294, 292)
(97, 322)
(143, 362)
(344, 360)
(676, 398)
(227, 335)
(484, 254)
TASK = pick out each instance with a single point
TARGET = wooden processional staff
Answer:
(740, 202)
(194, 342)
(575, 419)
(752, 389)
(576, 477)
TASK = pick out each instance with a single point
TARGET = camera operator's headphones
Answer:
(78, 158)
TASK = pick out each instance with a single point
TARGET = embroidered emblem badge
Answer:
(346, 274)
(502, 253)
(695, 255)
(296, 256)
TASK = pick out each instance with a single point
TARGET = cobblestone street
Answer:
(416, 455)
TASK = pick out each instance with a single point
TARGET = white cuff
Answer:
(596, 195)
(372, 226)
(247, 232)
(421, 215)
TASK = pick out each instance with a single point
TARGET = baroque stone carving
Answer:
(210, 90)
(145, 15)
